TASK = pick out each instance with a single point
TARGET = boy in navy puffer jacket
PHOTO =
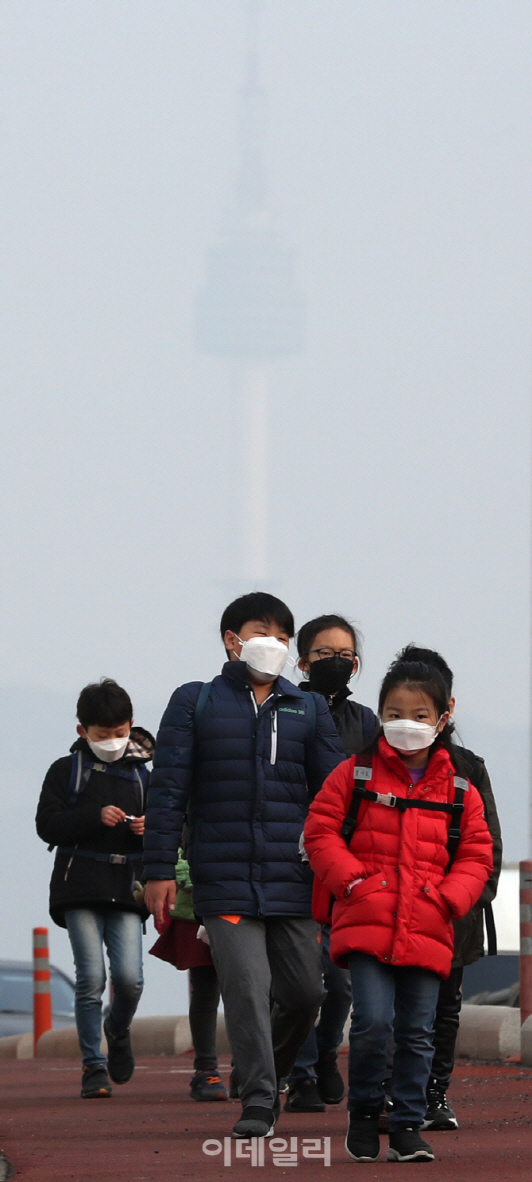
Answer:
(243, 759)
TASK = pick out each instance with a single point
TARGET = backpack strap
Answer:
(81, 768)
(362, 773)
(461, 786)
(201, 701)
(490, 929)
(310, 707)
(114, 859)
(368, 725)
(79, 774)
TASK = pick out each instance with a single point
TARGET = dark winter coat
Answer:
(469, 931)
(78, 880)
(244, 775)
(402, 910)
(356, 724)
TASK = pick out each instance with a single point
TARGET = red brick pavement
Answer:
(150, 1131)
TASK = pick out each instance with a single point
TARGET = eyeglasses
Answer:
(347, 654)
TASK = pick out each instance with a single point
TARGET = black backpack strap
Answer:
(310, 706)
(461, 786)
(361, 774)
(368, 725)
(80, 771)
(201, 701)
(490, 929)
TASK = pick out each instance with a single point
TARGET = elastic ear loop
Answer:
(357, 670)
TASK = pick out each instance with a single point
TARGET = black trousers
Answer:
(202, 1014)
(446, 1026)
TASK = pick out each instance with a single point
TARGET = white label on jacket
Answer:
(362, 773)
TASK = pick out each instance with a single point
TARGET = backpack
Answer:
(462, 760)
(81, 766)
(467, 762)
(363, 773)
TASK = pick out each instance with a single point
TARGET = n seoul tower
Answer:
(250, 311)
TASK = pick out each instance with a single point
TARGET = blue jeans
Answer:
(121, 933)
(327, 1035)
(386, 998)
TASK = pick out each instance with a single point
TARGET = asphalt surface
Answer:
(150, 1131)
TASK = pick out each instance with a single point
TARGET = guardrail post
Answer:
(42, 998)
(525, 918)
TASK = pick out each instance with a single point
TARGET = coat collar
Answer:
(236, 673)
(336, 699)
(439, 762)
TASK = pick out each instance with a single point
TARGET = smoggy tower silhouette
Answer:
(250, 311)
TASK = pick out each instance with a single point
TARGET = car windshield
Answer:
(16, 994)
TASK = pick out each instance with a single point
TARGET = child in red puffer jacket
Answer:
(396, 894)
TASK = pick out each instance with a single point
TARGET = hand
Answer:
(159, 896)
(137, 826)
(111, 815)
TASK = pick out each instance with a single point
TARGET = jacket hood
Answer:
(140, 748)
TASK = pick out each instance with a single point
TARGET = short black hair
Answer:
(428, 656)
(258, 605)
(104, 703)
(308, 632)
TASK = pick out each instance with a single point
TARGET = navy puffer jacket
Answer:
(245, 776)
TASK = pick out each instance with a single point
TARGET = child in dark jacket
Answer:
(241, 757)
(92, 808)
(329, 656)
(397, 890)
(469, 930)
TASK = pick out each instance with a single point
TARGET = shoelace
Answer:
(437, 1099)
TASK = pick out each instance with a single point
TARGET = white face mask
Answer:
(406, 735)
(109, 750)
(265, 655)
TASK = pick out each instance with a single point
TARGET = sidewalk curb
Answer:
(487, 1033)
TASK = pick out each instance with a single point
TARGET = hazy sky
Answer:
(398, 156)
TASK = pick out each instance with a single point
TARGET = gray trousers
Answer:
(270, 976)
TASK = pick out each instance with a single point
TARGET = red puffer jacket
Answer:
(401, 913)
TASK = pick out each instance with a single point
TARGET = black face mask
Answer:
(330, 675)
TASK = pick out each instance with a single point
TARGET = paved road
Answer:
(151, 1132)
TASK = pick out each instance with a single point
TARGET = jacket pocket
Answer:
(375, 882)
(431, 892)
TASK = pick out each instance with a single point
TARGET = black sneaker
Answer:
(362, 1141)
(95, 1083)
(407, 1145)
(330, 1083)
(304, 1096)
(207, 1085)
(439, 1114)
(120, 1061)
(255, 1122)
(6, 1169)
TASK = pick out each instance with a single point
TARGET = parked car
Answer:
(16, 997)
